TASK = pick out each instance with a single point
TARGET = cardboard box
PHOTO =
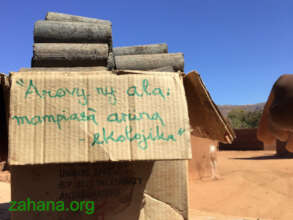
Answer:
(142, 190)
(97, 116)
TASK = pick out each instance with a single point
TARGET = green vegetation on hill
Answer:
(225, 109)
(240, 118)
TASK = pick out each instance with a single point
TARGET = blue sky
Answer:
(240, 47)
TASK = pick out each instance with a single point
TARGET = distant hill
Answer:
(225, 109)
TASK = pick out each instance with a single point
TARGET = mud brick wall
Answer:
(245, 140)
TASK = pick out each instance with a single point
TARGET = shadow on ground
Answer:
(266, 157)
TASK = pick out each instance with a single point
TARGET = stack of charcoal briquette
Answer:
(72, 41)
(63, 40)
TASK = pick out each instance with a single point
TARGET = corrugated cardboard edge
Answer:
(168, 187)
(230, 132)
(194, 84)
(93, 70)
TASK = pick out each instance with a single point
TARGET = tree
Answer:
(253, 118)
(244, 119)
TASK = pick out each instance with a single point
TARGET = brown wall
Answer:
(3, 120)
(245, 140)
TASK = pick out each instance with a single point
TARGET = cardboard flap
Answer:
(97, 116)
(205, 118)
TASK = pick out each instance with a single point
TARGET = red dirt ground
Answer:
(254, 184)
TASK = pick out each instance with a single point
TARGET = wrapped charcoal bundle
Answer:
(69, 69)
(141, 49)
(69, 55)
(164, 69)
(150, 61)
(54, 16)
(71, 32)
(64, 40)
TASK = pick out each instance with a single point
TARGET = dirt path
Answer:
(253, 184)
